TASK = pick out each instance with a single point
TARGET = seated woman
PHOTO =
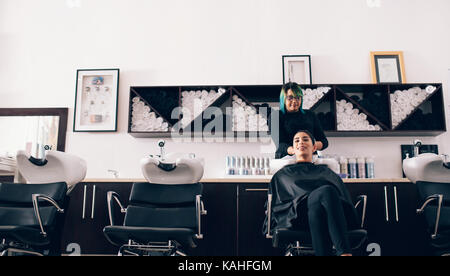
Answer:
(312, 198)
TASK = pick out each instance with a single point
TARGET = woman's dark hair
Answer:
(309, 134)
(297, 92)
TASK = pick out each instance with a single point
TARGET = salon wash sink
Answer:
(277, 164)
(427, 167)
(55, 167)
(173, 168)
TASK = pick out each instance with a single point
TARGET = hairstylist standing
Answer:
(293, 118)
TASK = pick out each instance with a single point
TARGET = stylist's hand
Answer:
(290, 150)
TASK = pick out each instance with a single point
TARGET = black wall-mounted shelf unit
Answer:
(374, 100)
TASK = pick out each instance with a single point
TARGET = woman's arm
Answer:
(283, 150)
(319, 145)
(281, 140)
(321, 139)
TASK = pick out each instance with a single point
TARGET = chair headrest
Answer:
(22, 193)
(164, 193)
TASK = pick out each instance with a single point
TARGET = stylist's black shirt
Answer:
(291, 123)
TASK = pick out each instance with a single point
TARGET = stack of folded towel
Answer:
(245, 117)
(144, 119)
(312, 96)
(403, 102)
(195, 102)
(349, 118)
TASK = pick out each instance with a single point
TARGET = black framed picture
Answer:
(387, 67)
(297, 68)
(96, 100)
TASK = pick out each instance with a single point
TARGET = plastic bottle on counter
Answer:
(267, 166)
(240, 165)
(248, 166)
(255, 166)
(343, 162)
(232, 169)
(370, 167)
(261, 165)
(352, 169)
(227, 164)
(361, 167)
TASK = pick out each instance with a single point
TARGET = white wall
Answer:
(196, 42)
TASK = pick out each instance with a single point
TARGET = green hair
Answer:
(297, 92)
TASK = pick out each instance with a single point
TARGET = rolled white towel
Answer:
(430, 89)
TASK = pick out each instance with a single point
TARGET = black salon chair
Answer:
(161, 219)
(32, 218)
(299, 243)
(435, 200)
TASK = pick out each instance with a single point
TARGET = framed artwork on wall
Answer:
(96, 100)
(297, 68)
(387, 67)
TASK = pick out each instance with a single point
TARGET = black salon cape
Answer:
(293, 183)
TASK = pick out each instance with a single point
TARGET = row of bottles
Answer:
(360, 167)
(247, 165)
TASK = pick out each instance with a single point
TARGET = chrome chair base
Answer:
(16, 249)
(298, 250)
(170, 248)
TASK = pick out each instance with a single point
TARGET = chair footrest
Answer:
(283, 237)
(120, 235)
(27, 235)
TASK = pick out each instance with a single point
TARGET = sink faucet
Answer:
(161, 144)
(417, 144)
(115, 173)
(444, 157)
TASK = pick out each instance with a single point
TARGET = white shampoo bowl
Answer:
(426, 167)
(59, 167)
(176, 168)
(277, 164)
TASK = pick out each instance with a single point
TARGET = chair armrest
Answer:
(37, 213)
(269, 215)
(109, 198)
(429, 199)
(363, 199)
(200, 208)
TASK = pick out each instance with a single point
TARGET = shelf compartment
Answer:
(429, 115)
(195, 100)
(207, 122)
(259, 93)
(353, 117)
(247, 119)
(164, 100)
(372, 99)
(325, 110)
(313, 95)
(144, 118)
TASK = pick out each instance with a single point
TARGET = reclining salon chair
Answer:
(161, 219)
(299, 243)
(435, 199)
(32, 218)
